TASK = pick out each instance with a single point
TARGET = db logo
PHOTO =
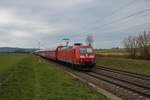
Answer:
(86, 55)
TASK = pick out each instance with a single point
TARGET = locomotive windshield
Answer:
(86, 50)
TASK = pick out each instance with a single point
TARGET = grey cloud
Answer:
(29, 22)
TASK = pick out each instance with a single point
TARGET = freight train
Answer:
(77, 56)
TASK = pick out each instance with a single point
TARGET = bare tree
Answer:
(131, 45)
(128, 45)
(89, 40)
(135, 46)
(149, 39)
(144, 43)
(149, 44)
(138, 45)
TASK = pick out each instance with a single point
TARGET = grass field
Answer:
(26, 77)
(7, 60)
(120, 52)
(133, 65)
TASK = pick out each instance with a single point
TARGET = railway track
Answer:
(125, 85)
(136, 75)
(136, 83)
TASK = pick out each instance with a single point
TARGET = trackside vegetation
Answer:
(26, 77)
(132, 65)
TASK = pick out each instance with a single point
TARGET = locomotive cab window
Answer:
(86, 50)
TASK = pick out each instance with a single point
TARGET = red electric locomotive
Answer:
(78, 56)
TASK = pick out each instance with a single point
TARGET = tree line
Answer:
(138, 46)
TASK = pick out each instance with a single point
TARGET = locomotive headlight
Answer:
(82, 56)
(91, 56)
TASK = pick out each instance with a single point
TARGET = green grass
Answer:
(9, 59)
(31, 78)
(133, 65)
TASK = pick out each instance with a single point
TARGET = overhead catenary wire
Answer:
(114, 12)
(126, 17)
(118, 10)
(143, 12)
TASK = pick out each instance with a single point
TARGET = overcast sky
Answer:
(24, 23)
